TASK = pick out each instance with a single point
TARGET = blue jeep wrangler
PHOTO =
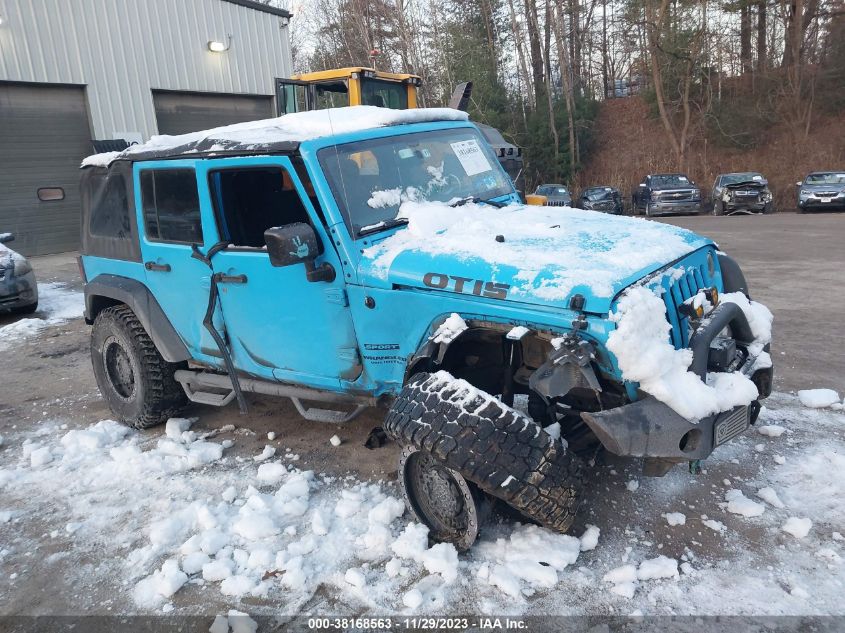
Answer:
(363, 257)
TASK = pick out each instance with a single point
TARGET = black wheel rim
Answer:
(440, 498)
(118, 368)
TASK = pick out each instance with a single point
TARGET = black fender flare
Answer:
(733, 279)
(133, 293)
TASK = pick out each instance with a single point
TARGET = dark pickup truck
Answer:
(663, 194)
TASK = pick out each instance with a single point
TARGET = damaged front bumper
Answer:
(650, 429)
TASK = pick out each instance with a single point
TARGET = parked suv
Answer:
(556, 195)
(601, 198)
(822, 190)
(663, 194)
(361, 257)
(18, 288)
(741, 192)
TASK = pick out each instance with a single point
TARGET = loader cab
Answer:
(346, 87)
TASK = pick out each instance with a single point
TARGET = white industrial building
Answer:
(77, 71)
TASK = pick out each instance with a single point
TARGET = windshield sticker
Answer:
(682, 178)
(758, 177)
(471, 156)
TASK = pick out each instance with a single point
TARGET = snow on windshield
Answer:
(550, 251)
(370, 179)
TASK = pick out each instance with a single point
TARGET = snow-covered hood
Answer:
(523, 253)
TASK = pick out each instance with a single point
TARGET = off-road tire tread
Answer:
(164, 397)
(487, 447)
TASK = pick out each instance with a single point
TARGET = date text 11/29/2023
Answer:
(423, 623)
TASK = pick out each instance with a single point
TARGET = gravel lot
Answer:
(793, 264)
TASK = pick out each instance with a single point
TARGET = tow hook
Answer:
(695, 467)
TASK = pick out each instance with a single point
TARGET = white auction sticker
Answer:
(471, 156)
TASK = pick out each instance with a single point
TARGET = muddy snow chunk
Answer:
(335, 441)
(217, 570)
(176, 426)
(386, 511)
(799, 528)
(229, 494)
(355, 577)
(553, 430)
(237, 585)
(412, 599)
(818, 398)
(271, 436)
(412, 542)
(450, 329)
(619, 575)
(320, 522)
(193, 563)
(590, 538)
(153, 590)
(770, 496)
(633, 485)
(675, 518)
(266, 454)
(738, 503)
(660, 567)
(771, 430)
(40, 457)
(442, 559)
(624, 580)
(271, 473)
(716, 526)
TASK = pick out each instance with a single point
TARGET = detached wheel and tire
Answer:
(134, 379)
(461, 435)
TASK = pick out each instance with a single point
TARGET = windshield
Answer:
(669, 180)
(599, 194)
(370, 179)
(826, 179)
(552, 190)
(749, 176)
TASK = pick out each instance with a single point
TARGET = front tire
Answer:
(503, 452)
(136, 382)
(718, 207)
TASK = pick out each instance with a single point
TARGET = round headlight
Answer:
(711, 265)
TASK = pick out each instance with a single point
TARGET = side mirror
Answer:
(798, 184)
(5, 238)
(294, 244)
(291, 244)
(642, 184)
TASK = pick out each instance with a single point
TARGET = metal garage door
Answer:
(180, 112)
(44, 135)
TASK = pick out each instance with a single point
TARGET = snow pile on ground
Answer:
(295, 127)
(194, 526)
(818, 398)
(547, 253)
(641, 345)
(56, 304)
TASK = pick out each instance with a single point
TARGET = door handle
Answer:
(229, 279)
(162, 268)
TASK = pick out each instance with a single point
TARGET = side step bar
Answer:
(198, 383)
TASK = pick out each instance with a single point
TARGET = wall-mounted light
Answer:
(216, 46)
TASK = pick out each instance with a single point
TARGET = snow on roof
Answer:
(280, 133)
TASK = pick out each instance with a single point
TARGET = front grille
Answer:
(746, 194)
(730, 425)
(678, 288)
(826, 194)
(675, 196)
